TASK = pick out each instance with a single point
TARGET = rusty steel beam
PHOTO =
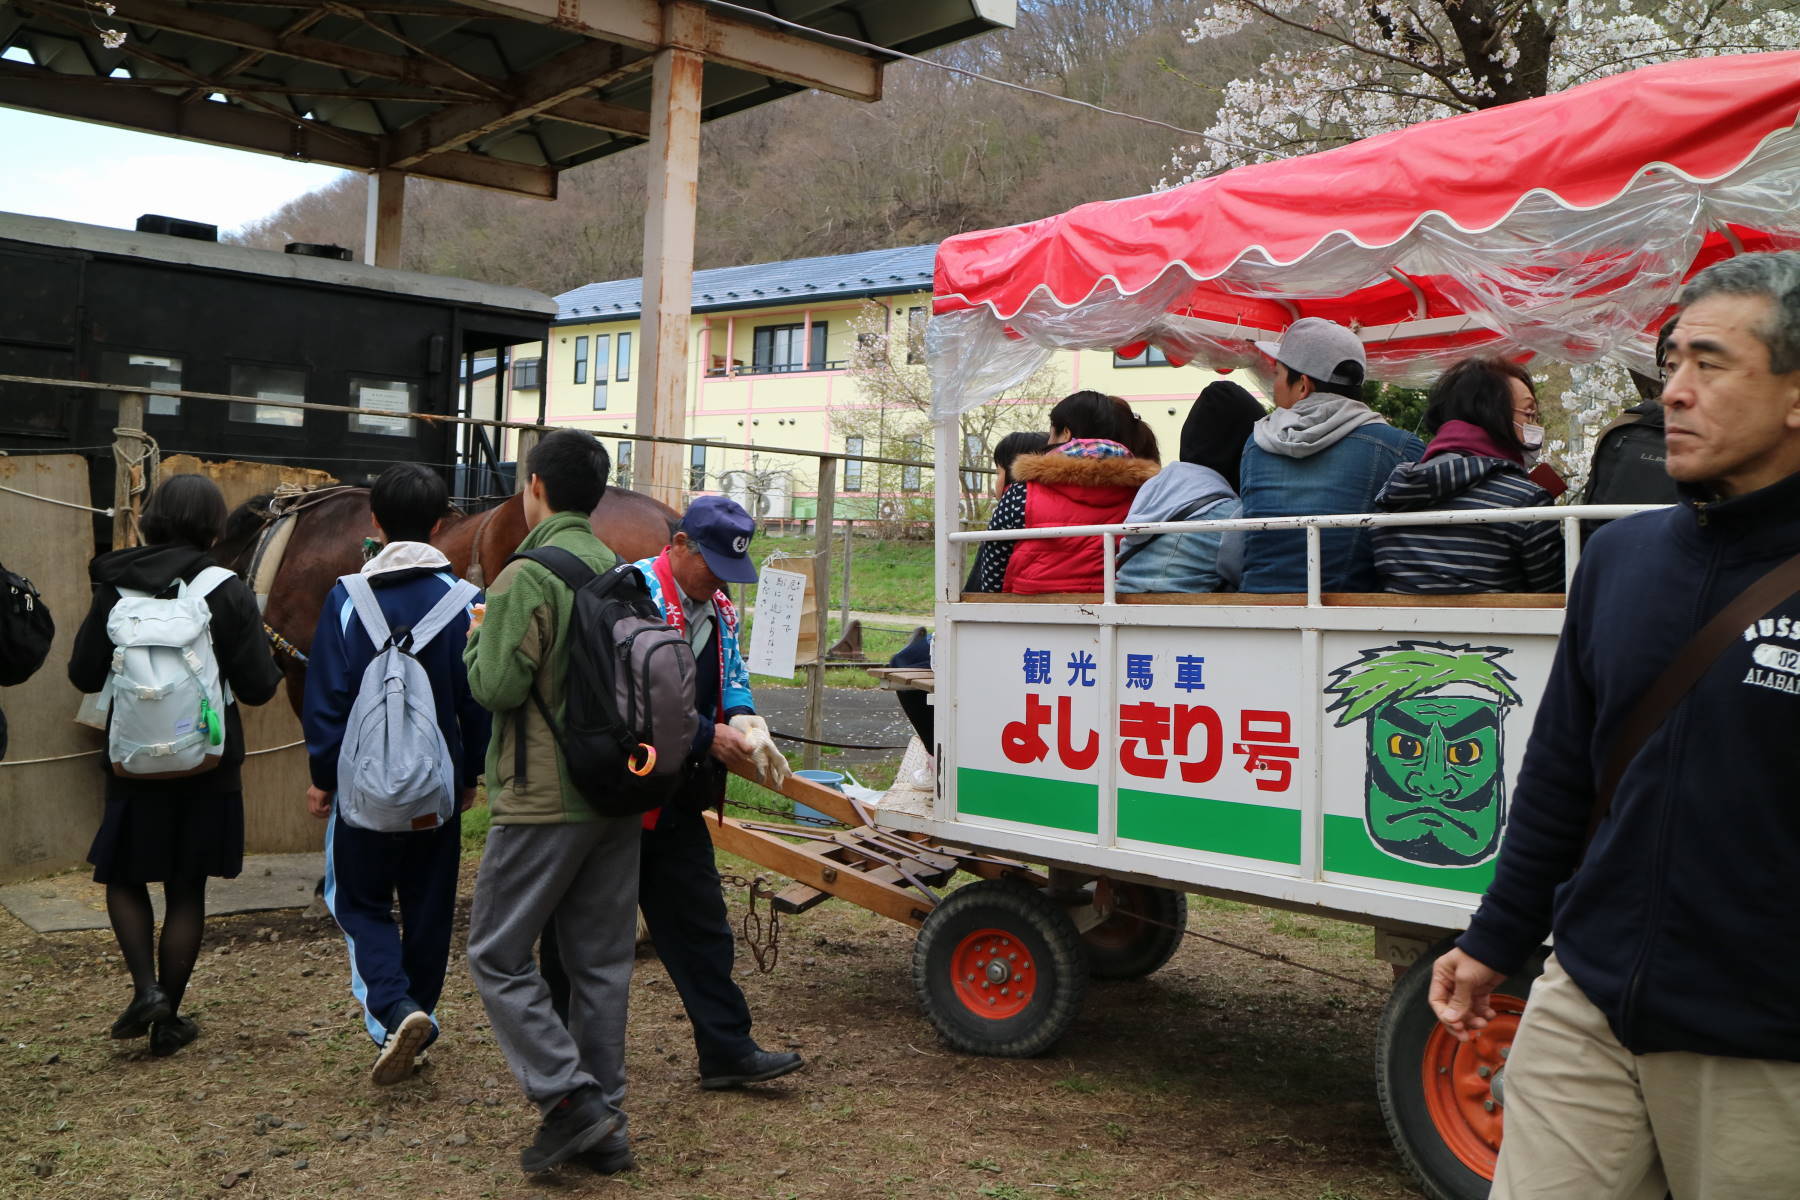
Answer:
(561, 84)
(243, 62)
(80, 98)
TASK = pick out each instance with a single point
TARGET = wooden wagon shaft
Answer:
(880, 890)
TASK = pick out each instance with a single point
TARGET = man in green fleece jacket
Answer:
(549, 859)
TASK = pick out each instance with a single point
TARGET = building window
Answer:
(528, 375)
(1149, 356)
(853, 466)
(268, 383)
(777, 349)
(973, 453)
(602, 345)
(910, 477)
(384, 395)
(622, 469)
(915, 335)
(146, 371)
(581, 359)
(624, 371)
(697, 469)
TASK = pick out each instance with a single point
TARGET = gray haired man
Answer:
(1660, 1051)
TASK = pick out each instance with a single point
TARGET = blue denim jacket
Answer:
(1342, 478)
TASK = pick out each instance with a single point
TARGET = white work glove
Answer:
(771, 765)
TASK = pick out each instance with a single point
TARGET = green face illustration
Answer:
(1435, 790)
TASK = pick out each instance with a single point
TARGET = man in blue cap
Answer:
(678, 882)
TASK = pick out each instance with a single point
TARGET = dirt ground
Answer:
(1222, 1076)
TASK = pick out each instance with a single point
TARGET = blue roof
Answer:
(834, 277)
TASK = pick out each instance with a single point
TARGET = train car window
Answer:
(268, 383)
(146, 370)
(386, 395)
(623, 374)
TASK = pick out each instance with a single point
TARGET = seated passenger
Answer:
(1321, 451)
(1480, 412)
(1201, 485)
(1086, 477)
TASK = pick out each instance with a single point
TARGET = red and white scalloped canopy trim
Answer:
(1701, 120)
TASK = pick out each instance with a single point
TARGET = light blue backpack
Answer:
(394, 767)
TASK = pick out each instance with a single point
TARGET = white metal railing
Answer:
(1570, 516)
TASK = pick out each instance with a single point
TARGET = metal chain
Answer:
(1264, 954)
(794, 817)
(766, 950)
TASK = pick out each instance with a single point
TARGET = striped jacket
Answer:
(1523, 557)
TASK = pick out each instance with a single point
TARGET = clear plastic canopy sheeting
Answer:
(1560, 228)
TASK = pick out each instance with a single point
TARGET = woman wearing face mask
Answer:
(1481, 421)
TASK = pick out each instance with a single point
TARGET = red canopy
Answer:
(1561, 226)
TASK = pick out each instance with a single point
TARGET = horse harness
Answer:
(271, 546)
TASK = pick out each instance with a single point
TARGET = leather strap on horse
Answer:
(1683, 672)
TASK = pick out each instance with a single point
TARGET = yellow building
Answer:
(770, 347)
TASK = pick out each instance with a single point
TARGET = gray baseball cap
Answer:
(1319, 348)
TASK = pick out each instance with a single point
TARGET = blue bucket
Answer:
(831, 779)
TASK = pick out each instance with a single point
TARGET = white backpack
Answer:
(394, 767)
(168, 701)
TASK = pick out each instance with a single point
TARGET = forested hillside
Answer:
(817, 174)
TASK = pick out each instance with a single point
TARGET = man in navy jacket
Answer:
(396, 979)
(1660, 1051)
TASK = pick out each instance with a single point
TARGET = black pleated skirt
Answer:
(167, 834)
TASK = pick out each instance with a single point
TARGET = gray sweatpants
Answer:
(584, 878)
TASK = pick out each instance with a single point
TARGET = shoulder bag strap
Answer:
(1683, 672)
(456, 599)
(565, 565)
(368, 609)
(1133, 546)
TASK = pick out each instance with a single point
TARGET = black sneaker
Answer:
(145, 1010)
(579, 1121)
(611, 1157)
(758, 1066)
(395, 1062)
(166, 1037)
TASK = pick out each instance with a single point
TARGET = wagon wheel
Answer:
(999, 969)
(1445, 1101)
(1126, 947)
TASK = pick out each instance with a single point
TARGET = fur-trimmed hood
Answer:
(1064, 470)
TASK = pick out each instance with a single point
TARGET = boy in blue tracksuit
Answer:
(396, 976)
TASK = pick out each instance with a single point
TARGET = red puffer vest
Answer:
(1063, 490)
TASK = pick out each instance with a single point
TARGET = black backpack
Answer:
(1629, 460)
(629, 720)
(26, 629)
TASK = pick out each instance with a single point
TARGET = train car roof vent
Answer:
(199, 231)
(318, 250)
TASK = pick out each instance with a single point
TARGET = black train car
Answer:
(92, 303)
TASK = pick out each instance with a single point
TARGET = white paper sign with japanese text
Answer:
(775, 637)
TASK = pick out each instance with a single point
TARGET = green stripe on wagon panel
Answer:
(1217, 826)
(1052, 803)
(1349, 851)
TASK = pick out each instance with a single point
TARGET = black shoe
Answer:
(145, 1010)
(166, 1037)
(580, 1121)
(758, 1066)
(613, 1159)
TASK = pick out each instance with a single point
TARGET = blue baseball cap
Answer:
(722, 530)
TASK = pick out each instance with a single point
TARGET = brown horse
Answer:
(328, 537)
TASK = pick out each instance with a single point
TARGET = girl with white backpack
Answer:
(172, 644)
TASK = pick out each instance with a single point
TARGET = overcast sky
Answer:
(81, 172)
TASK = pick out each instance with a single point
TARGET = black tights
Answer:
(134, 924)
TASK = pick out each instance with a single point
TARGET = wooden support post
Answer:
(844, 598)
(528, 440)
(386, 214)
(815, 674)
(674, 157)
(127, 449)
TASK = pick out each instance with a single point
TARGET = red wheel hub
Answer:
(993, 974)
(1465, 1086)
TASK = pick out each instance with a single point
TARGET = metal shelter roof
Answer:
(758, 285)
(497, 94)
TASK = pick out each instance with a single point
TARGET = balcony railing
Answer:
(836, 364)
